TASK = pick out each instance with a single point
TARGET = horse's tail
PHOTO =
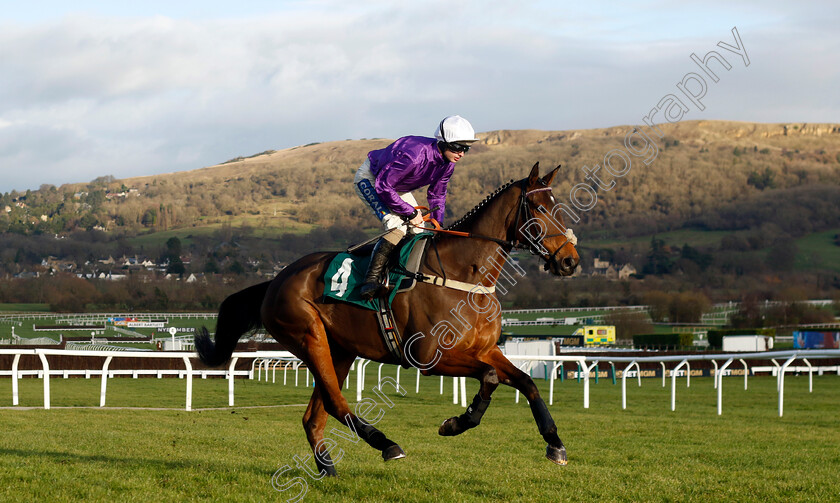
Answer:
(238, 315)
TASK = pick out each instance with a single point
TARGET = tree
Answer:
(149, 218)
(211, 266)
(629, 323)
(67, 293)
(782, 256)
(657, 303)
(659, 260)
(173, 248)
(688, 307)
(703, 260)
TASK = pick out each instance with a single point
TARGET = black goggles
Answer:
(457, 147)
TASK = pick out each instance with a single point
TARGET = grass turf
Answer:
(643, 453)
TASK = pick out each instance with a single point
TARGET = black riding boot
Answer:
(372, 286)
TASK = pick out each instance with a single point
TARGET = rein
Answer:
(523, 211)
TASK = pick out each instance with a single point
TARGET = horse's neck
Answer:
(467, 258)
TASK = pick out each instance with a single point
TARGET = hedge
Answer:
(664, 341)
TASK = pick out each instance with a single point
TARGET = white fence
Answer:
(270, 360)
(188, 371)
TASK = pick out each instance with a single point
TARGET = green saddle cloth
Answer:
(346, 274)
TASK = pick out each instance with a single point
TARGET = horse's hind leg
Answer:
(315, 418)
(459, 364)
(512, 376)
(320, 363)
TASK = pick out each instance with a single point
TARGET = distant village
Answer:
(111, 269)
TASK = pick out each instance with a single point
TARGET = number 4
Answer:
(339, 279)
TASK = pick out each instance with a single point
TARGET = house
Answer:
(600, 264)
(112, 277)
(612, 271)
(626, 271)
(55, 264)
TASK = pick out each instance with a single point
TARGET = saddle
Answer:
(346, 273)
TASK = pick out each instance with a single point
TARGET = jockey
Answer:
(387, 177)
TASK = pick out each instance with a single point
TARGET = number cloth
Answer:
(346, 274)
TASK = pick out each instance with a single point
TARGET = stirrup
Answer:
(371, 290)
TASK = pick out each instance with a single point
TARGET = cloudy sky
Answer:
(91, 88)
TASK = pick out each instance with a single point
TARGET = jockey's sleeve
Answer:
(436, 195)
(399, 166)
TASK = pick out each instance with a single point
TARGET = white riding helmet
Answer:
(455, 129)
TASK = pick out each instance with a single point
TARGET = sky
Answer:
(94, 88)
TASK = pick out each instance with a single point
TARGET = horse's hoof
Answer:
(450, 428)
(393, 452)
(557, 455)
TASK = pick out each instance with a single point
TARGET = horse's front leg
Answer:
(512, 376)
(460, 364)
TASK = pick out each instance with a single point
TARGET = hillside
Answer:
(701, 167)
(722, 211)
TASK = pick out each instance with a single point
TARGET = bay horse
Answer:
(328, 336)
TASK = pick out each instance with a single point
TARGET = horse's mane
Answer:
(470, 215)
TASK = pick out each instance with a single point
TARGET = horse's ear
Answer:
(549, 177)
(535, 174)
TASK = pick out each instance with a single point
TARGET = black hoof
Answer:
(393, 452)
(327, 468)
(450, 428)
(557, 455)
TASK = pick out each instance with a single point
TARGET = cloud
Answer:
(85, 96)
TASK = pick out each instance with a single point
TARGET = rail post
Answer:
(674, 384)
(15, 363)
(719, 386)
(780, 384)
(188, 365)
(46, 366)
(230, 380)
(103, 388)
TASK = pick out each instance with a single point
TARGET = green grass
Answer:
(643, 453)
(261, 228)
(24, 327)
(818, 251)
(674, 238)
(25, 308)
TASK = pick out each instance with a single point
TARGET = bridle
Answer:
(524, 213)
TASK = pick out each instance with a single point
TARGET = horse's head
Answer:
(540, 228)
